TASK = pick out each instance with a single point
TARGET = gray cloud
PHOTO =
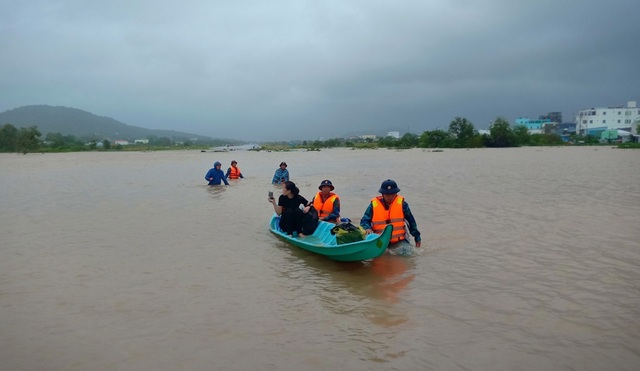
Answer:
(272, 70)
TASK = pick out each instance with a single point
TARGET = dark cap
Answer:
(283, 163)
(326, 182)
(389, 187)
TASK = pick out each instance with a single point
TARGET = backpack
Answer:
(310, 221)
(347, 233)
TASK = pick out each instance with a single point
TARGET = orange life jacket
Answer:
(393, 216)
(324, 208)
(234, 172)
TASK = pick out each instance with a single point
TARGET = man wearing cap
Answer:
(234, 171)
(327, 203)
(281, 175)
(390, 208)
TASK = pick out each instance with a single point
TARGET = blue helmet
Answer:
(389, 187)
(327, 183)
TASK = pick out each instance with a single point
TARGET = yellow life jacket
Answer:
(234, 172)
(393, 216)
(324, 208)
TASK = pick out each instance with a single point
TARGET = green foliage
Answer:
(435, 139)
(408, 141)
(28, 140)
(629, 145)
(22, 140)
(387, 142)
(365, 145)
(521, 135)
(477, 141)
(86, 125)
(335, 142)
(462, 132)
(159, 141)
(545, 140)
(501, 134)
(58, 142)
(8, 138)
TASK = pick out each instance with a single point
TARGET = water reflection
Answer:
(393, 271)
(216, 191)
(372, 289)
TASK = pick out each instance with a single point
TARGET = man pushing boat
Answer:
(390, 208)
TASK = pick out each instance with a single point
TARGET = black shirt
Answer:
(292, 203)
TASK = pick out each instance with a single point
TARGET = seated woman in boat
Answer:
(327, 203)
(288, 207)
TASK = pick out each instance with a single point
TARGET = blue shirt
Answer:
(217, 175)
(365, 222)
(280, 175)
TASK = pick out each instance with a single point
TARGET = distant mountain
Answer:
(82, 124)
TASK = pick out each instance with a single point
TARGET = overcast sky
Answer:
(276, 69)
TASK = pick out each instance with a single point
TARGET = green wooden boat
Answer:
(324, 243)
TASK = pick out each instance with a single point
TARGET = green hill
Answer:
(85, 125)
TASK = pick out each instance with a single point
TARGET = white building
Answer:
(596, 120)
(394, 134)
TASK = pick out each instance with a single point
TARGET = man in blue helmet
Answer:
(390, 208)
(215, 175)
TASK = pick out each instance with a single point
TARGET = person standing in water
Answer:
(281, 175)
(390, 208)
(215, 176)
(233, 172)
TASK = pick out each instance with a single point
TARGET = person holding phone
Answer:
(288, 208)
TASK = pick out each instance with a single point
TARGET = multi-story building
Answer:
(593, 121)
(553, 117)
(533, 126)
(538, 126)
(551, 123)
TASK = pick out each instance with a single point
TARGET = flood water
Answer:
(127, 261)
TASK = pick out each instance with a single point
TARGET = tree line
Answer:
(460, 134)
(29, 139)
